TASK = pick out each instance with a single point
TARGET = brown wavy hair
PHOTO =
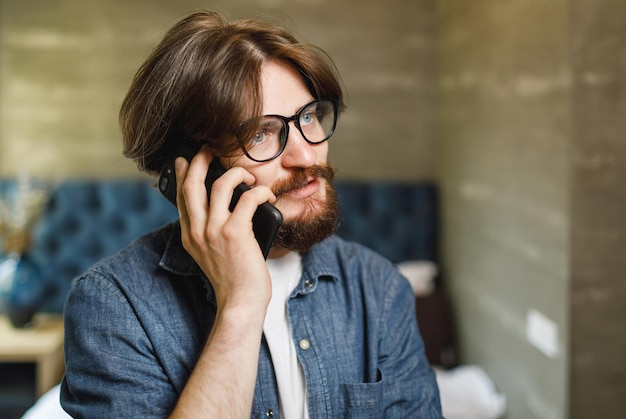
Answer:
(203, 79)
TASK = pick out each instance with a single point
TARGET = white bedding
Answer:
(47, 406)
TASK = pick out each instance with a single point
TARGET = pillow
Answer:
(421, 275)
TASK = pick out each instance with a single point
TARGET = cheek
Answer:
(264, 173)
(322, 152)
(265, 176)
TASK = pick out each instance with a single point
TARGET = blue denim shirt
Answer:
(137, 321)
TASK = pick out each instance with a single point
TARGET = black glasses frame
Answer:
(296, 121)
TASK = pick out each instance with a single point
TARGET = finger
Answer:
(249, 202)
(180, 167)
(223, 188)
(194, 191)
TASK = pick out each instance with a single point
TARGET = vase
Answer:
(20, 295)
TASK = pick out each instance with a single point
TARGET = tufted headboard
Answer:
(397, 219)
(86, 220)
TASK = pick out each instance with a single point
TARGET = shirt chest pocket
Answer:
(362, 400)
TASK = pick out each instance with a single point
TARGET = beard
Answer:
(314, 224)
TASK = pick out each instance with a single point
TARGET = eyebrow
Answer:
(266, 122)
(311, 100)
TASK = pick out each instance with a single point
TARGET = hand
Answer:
(221, 242)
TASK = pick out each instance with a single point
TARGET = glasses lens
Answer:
(317, 121)
(266, 142)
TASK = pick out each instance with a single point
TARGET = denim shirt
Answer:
(136, 323)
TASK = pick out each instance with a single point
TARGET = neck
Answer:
(277, 252)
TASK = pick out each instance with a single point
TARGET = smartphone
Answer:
(266, 219)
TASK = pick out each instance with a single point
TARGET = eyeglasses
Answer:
(316, 122)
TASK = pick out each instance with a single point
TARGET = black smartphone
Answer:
(266, 219)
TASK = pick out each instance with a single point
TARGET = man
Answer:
(191, 320)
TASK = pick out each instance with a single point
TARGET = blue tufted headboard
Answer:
(86, 220)
(397, 219)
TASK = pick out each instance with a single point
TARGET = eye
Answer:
(257, 139)
(268, 132)
(308, 117)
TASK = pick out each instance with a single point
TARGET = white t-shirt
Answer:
(285, 273)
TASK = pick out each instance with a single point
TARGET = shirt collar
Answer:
(321, 261)
(318, 264)
(175, 258)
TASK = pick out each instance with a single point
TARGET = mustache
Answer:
(300, 178)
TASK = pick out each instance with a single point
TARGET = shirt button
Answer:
(269, 413)
(304, 344)
(308, 284)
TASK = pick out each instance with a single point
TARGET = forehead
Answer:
(283, 89)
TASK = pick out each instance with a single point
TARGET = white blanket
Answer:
(467, 392)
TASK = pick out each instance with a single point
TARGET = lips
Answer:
(303, 182)
(308, 189)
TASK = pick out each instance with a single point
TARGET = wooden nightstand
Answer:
(41, 343)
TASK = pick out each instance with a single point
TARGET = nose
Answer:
(298, 151)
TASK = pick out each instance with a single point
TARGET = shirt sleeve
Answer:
(111, 369)
(410, 387)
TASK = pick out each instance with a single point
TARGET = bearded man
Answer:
(192, 320)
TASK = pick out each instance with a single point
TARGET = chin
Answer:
(306, 210)
(308, 222)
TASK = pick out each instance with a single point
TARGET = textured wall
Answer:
(65, 67)
(598, 289)
(531, 107)
(504, 91)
